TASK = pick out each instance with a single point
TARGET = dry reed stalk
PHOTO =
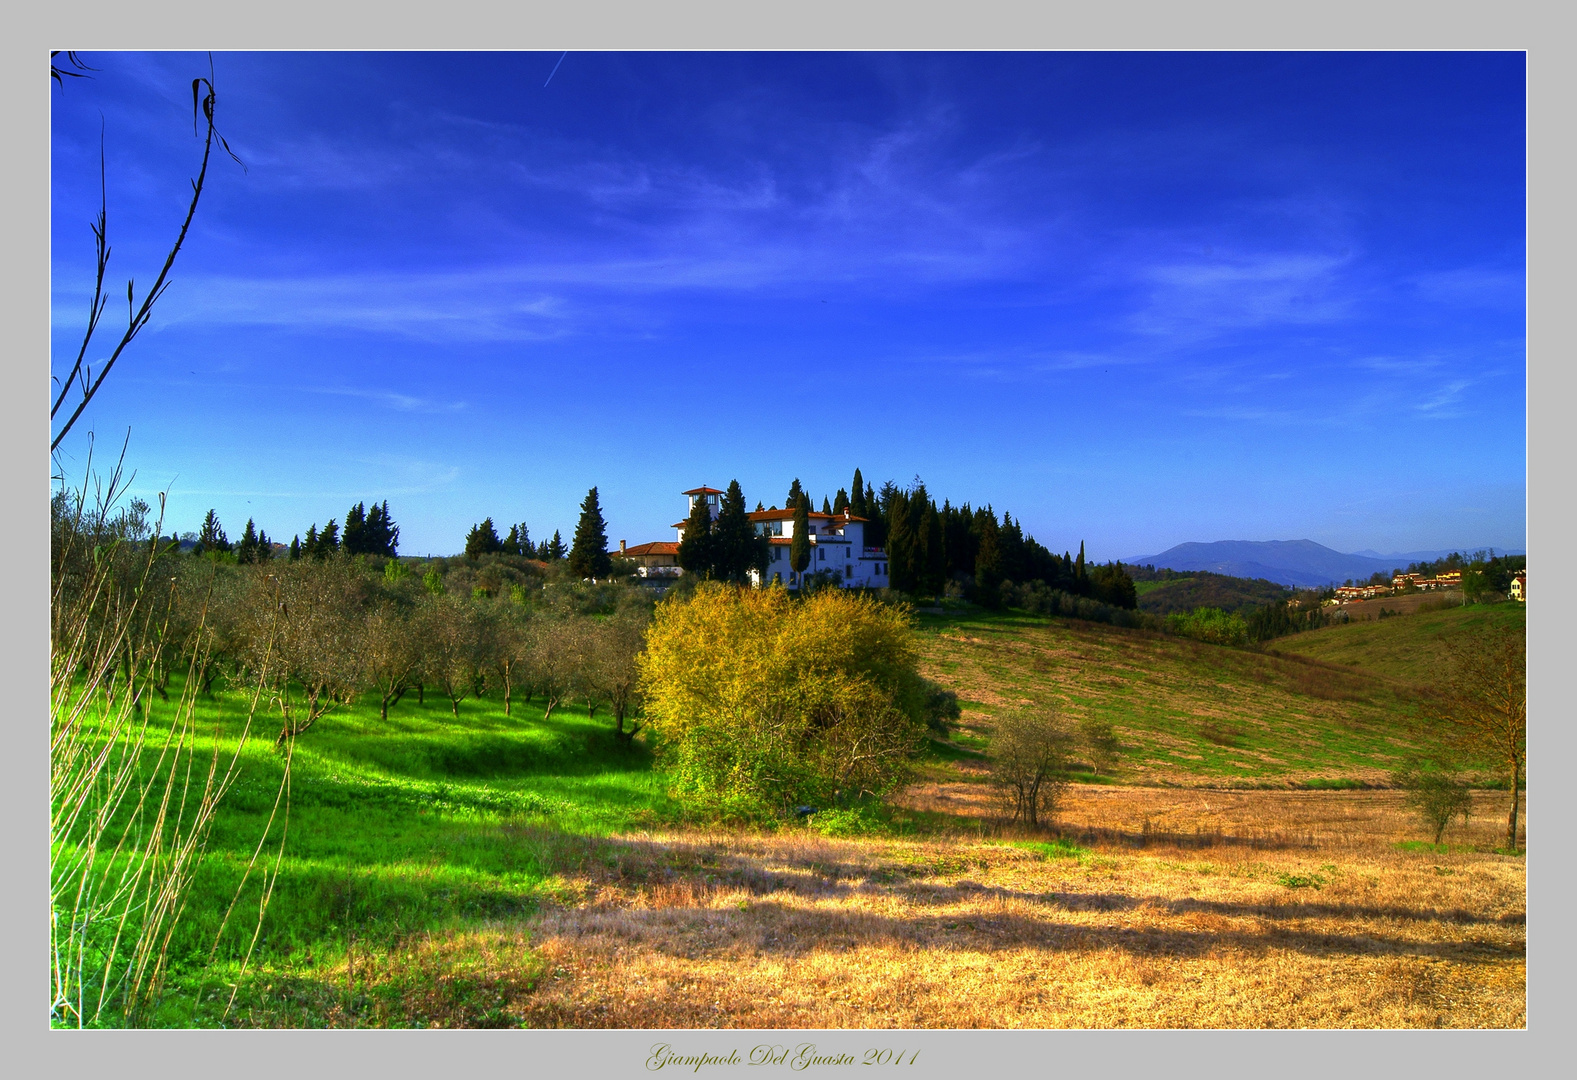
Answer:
(126, 836)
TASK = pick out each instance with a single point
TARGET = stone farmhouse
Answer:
(837, 545)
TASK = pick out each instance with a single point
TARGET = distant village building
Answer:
(1519, 586)
(1451, 579)
(837, 544)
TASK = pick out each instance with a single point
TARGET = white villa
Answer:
(837, 544)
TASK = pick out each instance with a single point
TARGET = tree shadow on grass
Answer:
(671, 891)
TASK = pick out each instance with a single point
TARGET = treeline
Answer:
(1179, 591)
(966, 551)
(319, 634)
(366, 532)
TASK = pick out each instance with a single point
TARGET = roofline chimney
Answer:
(621, 547)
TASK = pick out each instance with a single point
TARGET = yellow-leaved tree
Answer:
(760, 701)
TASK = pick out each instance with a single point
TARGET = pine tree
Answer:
(523, 541)
(482, 539)
(265, 547)
(799, 543)
(542, 552)
(212, 536)
(310, 548)
(328, 540)
(698, 549)
(737, 547)
(512, 541)
(588, 557)
(355, 538)
(556, 548)
(246, 551)
(382, 535)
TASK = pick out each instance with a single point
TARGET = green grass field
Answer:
(425, 828)
(421, 825)
(1401, 648)
(1332, 707)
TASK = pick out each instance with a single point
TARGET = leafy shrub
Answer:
(848, 821)
(1210, 624)
(941, 708)
(758, 698)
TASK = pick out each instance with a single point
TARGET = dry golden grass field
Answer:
(1178, 909)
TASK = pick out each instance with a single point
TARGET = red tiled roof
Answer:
(656, 547)
(701, 491)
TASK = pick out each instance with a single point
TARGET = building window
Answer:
(821, 554)
(848, 571)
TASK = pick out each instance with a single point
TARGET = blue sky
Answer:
(1133, 299)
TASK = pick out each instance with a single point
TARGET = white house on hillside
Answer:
(837, 544)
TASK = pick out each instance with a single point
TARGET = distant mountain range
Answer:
(1299, 563)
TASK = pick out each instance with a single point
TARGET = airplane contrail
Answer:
(555, 70)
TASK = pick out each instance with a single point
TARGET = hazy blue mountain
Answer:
(1288, 562)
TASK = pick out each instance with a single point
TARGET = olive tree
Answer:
(1029, 752)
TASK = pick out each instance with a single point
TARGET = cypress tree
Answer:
(795, 491)
(988, 561)
(265, 547)
(900, 543)
(588, 556)
(738, 548)
(799, 542)
(295, 548)
(840, 502)
(857, 496)
(826, 507)
(310, 548)
(698, 549)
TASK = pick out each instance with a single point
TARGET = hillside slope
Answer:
(1187, 713)
(1404, 648)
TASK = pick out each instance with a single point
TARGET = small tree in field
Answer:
(1028, 754)
(1099, 740)
(1482, 707)
(1435, 795)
